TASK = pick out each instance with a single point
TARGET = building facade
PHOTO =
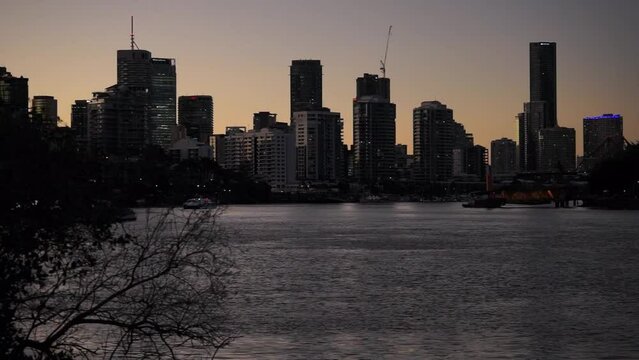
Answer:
(373, 131)
(503, 157)
(195, 113)
(80, 124)
(543, 79)
(44, 112)
(433, 142)
(603, 137)
(319, 146)
(306, 85)
(556, 149)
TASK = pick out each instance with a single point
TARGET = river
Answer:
(430, 280)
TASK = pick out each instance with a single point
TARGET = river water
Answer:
(431, 280)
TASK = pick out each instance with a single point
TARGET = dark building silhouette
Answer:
(14, 95)
(264, 119)
(306, 85)
(543, 79)
(476, 161)
(155, 81)
(541, 111)
(603, 137)
(373, 131)
(195, 113)
(503, 157)
(44, 112)
(116, 122)
(319, 146)
(556, 149)
(433, 142)
(79, 124)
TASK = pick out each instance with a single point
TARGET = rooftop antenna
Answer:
(133, 44)
(383, 62)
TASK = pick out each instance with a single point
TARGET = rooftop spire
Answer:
(133, 44)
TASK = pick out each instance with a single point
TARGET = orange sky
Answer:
(469, 54)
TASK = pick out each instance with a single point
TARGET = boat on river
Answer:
(199, 203)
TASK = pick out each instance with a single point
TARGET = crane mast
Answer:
(383, 62)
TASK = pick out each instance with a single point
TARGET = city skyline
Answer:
(240, 54)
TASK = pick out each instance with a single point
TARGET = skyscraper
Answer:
(155, 81)
(79, 124)
(162, 114)
(543, 79)
(433, 142)
(195, 113)
(373, 131)
(306, 85)
(603, 137)
(541, 111)
(14, 95)
(318, 136)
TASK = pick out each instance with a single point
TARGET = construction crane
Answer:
(383, 62)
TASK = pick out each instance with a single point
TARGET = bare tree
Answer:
(154, 291)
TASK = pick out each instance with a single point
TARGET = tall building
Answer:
(264, 119)
(373, 130)
(155, 81)
(79, 124)
(541, 111)
(14, 95)
(476, 161)
(44, 111)
(116, 121)
(503, 157)
(603, 137)
(162, 112)
(306, 85)
(433, 142)
(556, 149)
(543, 78)
(195, 113)
(319, 145)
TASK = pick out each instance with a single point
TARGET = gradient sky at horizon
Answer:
(469, 54)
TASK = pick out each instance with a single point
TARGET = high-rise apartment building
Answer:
(503, 157)
(319, 146)
(543, 78)
(476, 161)
(603, 137)
(195, 113)
(14, 95)
(433, 142)
(306, 85)
(373, 131)
(556, 149)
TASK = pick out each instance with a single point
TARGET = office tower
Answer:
(79, 124)
(44, 112)
(14, 95)
(318, 145)
(162, 112)
(556, 149)
(603, 137)
(543, 79)
(155, 81)
(433, 142)
(116, 121)
(306, 85)
(373, 130)
(195, 113)
(530, 122)
(503, 157)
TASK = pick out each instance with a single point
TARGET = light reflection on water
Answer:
(411, 280)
